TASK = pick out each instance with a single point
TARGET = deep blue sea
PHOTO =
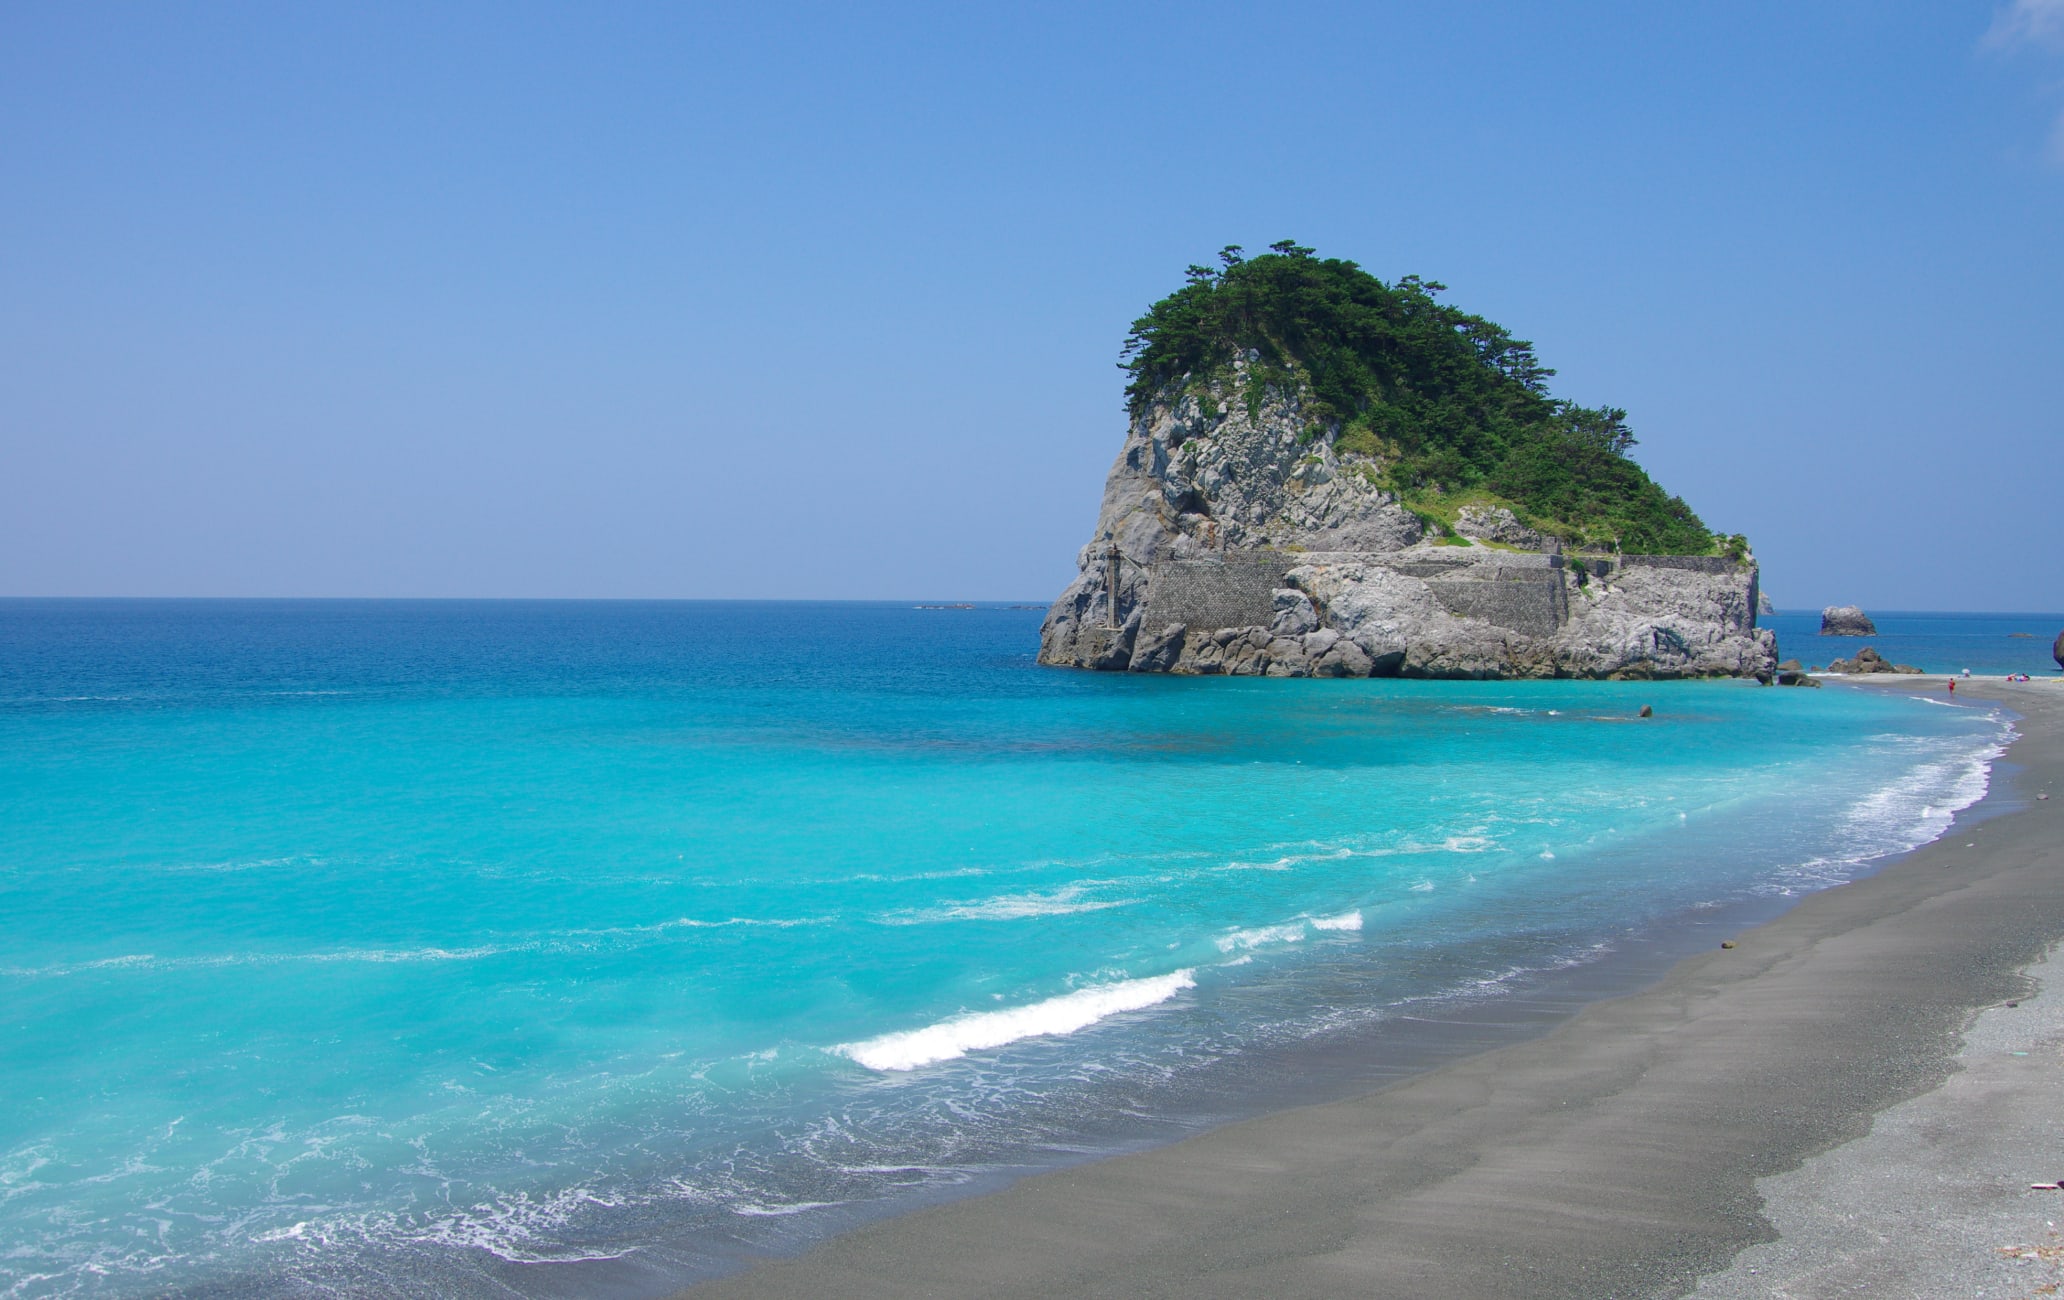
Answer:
(1987, 644)
(521, 948)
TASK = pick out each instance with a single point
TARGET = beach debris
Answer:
(2042, 796)
(2034, 1255)
(1727, 943)
(1648, 710)
(2046, 1187)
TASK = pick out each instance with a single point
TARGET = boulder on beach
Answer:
(1846, 620)
(1868, 660)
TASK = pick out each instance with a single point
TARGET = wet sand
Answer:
(1616, 1156)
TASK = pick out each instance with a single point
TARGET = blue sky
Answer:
(824, 301)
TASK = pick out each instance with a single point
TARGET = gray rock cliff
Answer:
(1846, 620)
(1241, 541)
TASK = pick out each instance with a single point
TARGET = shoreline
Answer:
(1617, 1154)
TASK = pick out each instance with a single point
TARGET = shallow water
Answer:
(391, 946)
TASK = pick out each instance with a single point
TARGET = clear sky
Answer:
(824, 300)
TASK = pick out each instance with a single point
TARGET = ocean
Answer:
(536, 948)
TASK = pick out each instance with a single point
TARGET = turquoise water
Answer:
(467, 948)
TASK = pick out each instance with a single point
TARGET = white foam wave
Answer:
(1296, 931)
(1321, 853)
(74, 968)
(1914, 809)
(1012, 907)
(1290, 932)
(754, 1210)
(1020, 906)
(1920, 806)
(561, 941)
(981, 1030)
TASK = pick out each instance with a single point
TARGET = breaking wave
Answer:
(981, 1030)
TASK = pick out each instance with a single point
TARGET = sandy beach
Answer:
(1648, 1141)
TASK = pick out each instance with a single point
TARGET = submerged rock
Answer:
(1846, 620)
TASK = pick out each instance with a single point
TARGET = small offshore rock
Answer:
(1648, 710)
(1846, 620)
(1789, 673)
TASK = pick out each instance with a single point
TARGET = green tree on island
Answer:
(1448, 408)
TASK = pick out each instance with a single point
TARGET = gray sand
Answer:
(1936, 1202)
(1617, 1156)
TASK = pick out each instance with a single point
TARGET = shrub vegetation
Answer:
(1448, 408)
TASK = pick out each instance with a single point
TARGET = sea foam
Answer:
(980, 1030)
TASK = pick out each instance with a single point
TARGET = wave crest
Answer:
(979, 1030)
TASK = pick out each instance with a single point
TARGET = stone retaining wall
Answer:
(1522, 591)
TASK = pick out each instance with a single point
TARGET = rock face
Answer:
(1497, 524)
(2057, 650)
(1846, 620)
(1240, 541)
(1868, 660)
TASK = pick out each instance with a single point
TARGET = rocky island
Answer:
(1329, 475)
(1846, 620)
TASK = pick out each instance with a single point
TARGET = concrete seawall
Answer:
(1522, 591)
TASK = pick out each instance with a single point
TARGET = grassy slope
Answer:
(1445, 408)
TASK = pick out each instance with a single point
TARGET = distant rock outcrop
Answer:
(1763, 605)
(1232, 541)
(1846, 620)
(1868, 660)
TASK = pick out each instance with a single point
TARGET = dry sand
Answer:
(1621, 1154)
